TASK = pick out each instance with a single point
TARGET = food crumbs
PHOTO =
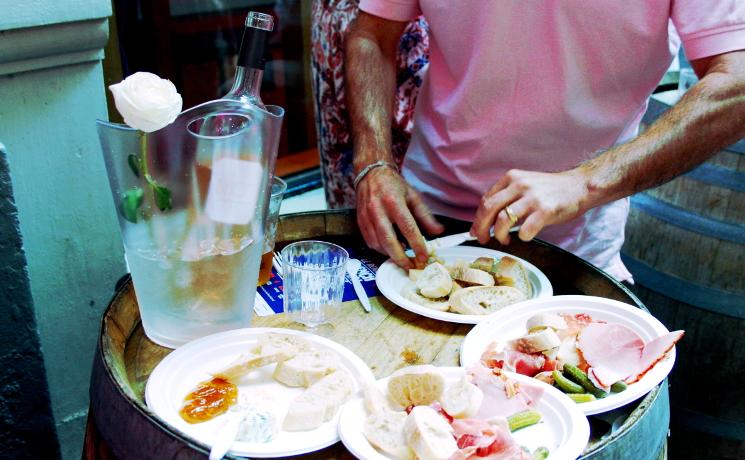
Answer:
(410, 356)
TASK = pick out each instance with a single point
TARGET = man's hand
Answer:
(536, 199)
(384, 199)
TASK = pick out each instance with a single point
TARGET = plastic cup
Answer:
(270, 229)
(313, 276)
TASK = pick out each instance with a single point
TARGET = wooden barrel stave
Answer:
(685, 245)
(121, 426)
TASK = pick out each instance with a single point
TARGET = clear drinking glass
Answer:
(192, 199)
(270, 228)
(313, 276)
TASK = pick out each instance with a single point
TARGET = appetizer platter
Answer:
(601, 353)
(281, 388)
(463, 284)
(429, 412)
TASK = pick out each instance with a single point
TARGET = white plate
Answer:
(391, 279)
(564, 430)
(184, 368)
(509, 323)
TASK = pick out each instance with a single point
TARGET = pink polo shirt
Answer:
(541, 85)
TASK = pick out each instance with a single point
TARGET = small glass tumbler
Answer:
(313, 276)
(270, 229)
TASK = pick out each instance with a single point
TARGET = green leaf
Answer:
(131, 202)
(134, 164)
(162, 197)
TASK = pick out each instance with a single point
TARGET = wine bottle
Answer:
(251, 59)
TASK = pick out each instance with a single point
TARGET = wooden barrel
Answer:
(685, 245)
(121, 426)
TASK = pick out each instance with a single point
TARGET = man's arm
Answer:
(383, 197)
(710, 116)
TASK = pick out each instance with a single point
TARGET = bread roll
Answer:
(462, 399)
(434, 282)
(319, 403)
(385, 431)
(483, 300)
(410, 293)
(510, 272)
(429, 435)
(306, 368)
(416, 385)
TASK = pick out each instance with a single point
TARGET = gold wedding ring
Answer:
(511, 215)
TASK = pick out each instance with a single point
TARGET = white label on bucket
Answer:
(233, 191)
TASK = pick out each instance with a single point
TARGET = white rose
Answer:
(146, 101)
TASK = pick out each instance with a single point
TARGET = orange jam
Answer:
(209, 400)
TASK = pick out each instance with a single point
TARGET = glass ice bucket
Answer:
(192, 200)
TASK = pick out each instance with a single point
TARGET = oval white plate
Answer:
(391, 279)
(178, 373)
(509, 323)
(564, 430)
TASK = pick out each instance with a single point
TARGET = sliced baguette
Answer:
(416, 385)
(544, 320)
(385, 431)
(488, 264)
(429, 435)
(306, 368)
(471, 276)
(462, 399)
(510, 272)
(319, 402)
(410, 293)
(483, 300)
(434, 281)
(415, 274)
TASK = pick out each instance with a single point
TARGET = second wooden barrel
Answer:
(685, 245)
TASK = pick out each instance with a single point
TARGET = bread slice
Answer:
(462, 399)
(487, 264)
(471, 276)
(306, 368)
(429, 435)
(385, 431)
(510, 272)
(410, 293)
(374, 398)
(416, 385)
(269, 349)
(538, 341)
(434, 282)
(415, 274)
(319, 402)
(483, 300)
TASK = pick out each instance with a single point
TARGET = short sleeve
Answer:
(708, 28)
(395, 10)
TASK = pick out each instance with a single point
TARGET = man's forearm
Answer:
(370, 90)
(710, 116)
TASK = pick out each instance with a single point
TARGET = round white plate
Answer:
(190, 364)
(564, 430)
(509, 323)
(391, 280)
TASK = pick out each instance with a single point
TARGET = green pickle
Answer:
(582, 397)
(618, 387)
(576, 374)
(523, 419)
(566, 385)
(540, 454)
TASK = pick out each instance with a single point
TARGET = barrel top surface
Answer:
(387, 339)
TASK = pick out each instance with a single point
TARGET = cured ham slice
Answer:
(487, 440)
(514, 361)
(502, 395)
(654, 352)
(616, 352)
